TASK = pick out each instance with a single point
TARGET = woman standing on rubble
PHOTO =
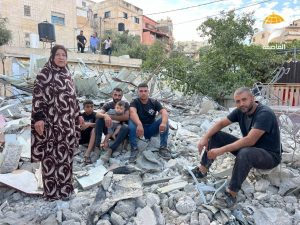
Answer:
(55, 125)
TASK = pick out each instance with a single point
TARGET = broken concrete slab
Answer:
(270, 216)
(148, 162)
(21, 180)
(11, 154)
(172, 187)
(95, 177)
(145, 217)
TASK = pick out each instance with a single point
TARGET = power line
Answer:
(173, 10)
(247, 6)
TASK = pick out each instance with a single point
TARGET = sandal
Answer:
(87, 160)
(198, 173)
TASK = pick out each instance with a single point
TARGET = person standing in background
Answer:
(94, 42)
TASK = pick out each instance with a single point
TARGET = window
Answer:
(125, 15)
(263, 36)
(95, 15)
(58, 18)
(136, 19)
(26, 35)
(107, 14)
(83, 4)
(27, 10)
(121, 27)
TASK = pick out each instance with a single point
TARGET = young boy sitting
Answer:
(87, 129)
(113, 131)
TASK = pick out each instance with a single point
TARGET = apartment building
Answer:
(68, 17)
(117, 15)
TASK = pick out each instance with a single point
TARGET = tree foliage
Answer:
(5, 34)
(227, 63)
(155, 57)
(127, 44)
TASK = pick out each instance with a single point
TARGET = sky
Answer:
(184, 28)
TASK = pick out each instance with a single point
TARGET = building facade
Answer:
(117, 15)
(68, 17)
(151, 32)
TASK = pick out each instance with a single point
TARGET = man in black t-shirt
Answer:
(104, 121)
(81, 41)
(87, 129)
(142, 122)
(258, 148)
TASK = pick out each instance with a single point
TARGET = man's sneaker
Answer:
(133, 155)
(165, 153)
(198, 174)
(105, 158)
(225, 201)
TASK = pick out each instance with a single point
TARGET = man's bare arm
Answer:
(164, 116)
(253, 136)
(121, 118)
(100, 114)
(134, 116)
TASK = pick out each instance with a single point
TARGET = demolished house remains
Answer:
(152, 191)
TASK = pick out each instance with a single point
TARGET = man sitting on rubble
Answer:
(142, 122)
(258, 148)
(104, 121)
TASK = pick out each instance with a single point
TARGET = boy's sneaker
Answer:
(225, 201)
(165, 153)
(133, 155)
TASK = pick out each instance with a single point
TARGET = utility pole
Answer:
(100, 30)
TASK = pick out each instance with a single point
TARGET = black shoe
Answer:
(133, 155)
(165, 153)
(225, 201)
(198, 174)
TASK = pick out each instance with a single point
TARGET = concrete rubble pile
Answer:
(152, 191)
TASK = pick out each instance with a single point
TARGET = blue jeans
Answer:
(150, 130)
(101, 128)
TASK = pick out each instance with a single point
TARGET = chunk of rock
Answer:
(271, 216)
(146, 217)
(185, 205)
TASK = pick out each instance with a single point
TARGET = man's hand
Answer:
(162, 127)
(214, 152)
(108, 120)
(140, 130)
(202, 143)
(39, 127)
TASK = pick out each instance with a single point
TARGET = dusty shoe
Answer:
(165, 153)
(133, 155)
(198, 174)
(105, 158)
(226, 200)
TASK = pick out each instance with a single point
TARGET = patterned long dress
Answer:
(54, 101)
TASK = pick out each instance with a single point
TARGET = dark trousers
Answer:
(101, 128)
(246, 158)
(80, 48)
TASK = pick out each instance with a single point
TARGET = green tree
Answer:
(228, 62)
(127, 44)
(5, 34)
(155, 58)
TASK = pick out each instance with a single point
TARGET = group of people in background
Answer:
(95, 43)
(58, 128)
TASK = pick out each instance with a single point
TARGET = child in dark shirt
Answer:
(87, 129)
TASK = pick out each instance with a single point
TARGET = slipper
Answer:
(87, 160)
